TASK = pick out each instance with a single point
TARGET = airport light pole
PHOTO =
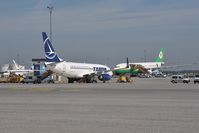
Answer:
(50, 7)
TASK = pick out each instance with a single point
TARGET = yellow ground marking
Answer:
(41, 89)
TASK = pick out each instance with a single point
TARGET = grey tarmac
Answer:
(144, 106)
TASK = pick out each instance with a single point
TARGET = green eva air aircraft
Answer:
(130, 69)
(141, 67)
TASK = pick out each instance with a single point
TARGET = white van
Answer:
(196, 79)
(180, 79)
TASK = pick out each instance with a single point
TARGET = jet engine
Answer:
(104, 77)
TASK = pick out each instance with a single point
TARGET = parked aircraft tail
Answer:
(15, 64)
(160, 56)
(127, 62)
(50, 54)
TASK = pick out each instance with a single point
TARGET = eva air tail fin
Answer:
(160, 56)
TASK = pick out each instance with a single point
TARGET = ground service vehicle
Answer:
(29, 79)
(196, 79)
(179, 79)
(124, 79)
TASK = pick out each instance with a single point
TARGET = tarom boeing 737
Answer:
(73, 71)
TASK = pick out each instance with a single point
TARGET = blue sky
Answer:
(101, 31)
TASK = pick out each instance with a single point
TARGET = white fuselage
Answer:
(20, 72)
(147, 65)
(76, 70)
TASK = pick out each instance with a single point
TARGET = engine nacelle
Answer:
(104, 77)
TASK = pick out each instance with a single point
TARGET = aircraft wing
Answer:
(21, 70)
(175, 66)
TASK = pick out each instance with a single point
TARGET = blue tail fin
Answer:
(50, 54)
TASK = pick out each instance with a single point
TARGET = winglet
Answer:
(50, 54)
